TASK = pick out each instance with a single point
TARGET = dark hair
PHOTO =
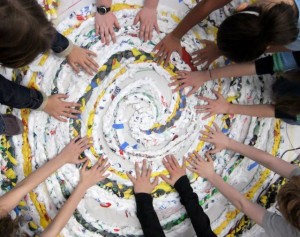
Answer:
(243, 37)
(288, 199)
(286, 93)
(25, 32)
(8, 227)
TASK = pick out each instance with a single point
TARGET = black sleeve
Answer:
(60, 43)
(282, 115)
(147, 216)
(264, 65)
(18, 96)
(189, 199)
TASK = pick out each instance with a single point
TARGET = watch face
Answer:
(101, 10)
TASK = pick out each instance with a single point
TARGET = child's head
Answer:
(288, 199)
(246, 35)
(286, 93)
(25, 32)
(8, 227)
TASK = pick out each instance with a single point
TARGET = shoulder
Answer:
(295, 172)
(276, 226)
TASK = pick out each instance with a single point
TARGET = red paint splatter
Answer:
(80, 17)
(116, 230)
(187, 59)
(106, 205)
(121, 152)
(52, 132)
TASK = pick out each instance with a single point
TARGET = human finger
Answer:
(132, 179)
(217, 128)
(137, 170)
(112, 35)
(74, 67)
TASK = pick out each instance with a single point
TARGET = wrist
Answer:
(63, 159)
(230, 144)
(83, 186)
(212, 176)
(228, 108)
(175, 35)
(208, 75)
(151, 4)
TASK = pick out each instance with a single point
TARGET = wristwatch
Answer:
(102, 10)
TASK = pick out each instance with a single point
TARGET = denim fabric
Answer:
(17, 96)
(60, 43)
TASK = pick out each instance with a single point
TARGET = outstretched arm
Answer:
(221, 106)
(196, 79)
(142, 192)
(88, 178)
(147, 17)
(188, 198)
(205, 169)
(221, 141)
(104, 24)
(69, 154)
(196, 15)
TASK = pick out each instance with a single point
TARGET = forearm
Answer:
(265, 111)
(106, 3)
(234, 70)
(151, 4)
(18, 96)
(147, 216)
(279, 166)
(189, 199)
(65, 212)
(12, 198)
(252, 210)
(196, 15)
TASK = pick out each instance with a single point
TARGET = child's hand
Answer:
(104, 25)
(148, 21)
(82, 57)
(217, 106)
(208, 54)
(73, 150)
(89, 177)
(166, 47)
(216, 137)
(189, 79)
(57, 108)
(204, 169)
(141, 183)
(175, 170)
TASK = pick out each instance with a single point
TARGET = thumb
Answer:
(208, 156)
(155, 181)
(165, 178)
(85, 166)
(116, 23)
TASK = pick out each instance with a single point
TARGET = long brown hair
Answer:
(288, 199)
(243, 37)
(286, 93)
(25, 32)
